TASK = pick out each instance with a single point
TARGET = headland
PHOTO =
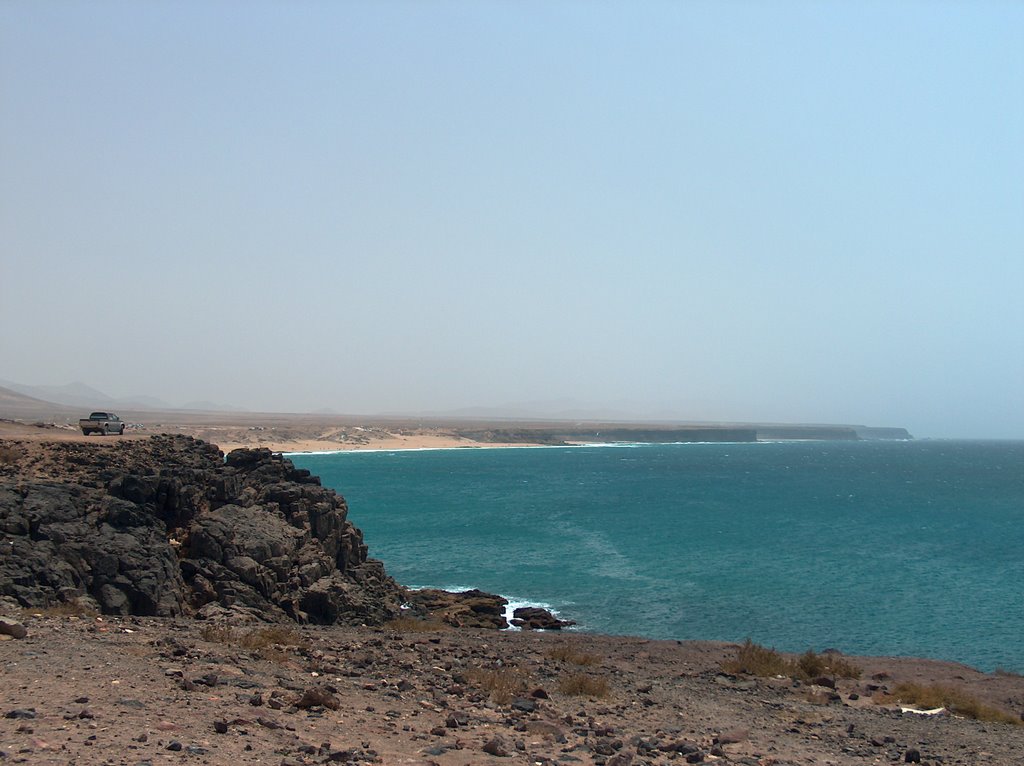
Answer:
(175, 605)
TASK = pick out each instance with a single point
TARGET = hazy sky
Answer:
(779, 211)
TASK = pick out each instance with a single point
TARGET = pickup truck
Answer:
(101, 423)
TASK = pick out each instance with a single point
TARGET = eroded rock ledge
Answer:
(168, 527)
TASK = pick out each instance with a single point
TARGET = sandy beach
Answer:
(298, 434)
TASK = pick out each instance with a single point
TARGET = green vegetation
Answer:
(755, 660)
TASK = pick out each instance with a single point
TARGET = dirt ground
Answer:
(87, 690)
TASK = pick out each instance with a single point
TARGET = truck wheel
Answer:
(121, 432)
(86, 432)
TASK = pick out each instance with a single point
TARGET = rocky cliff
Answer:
(168, 527)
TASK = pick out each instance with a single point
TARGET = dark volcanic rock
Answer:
(12, 628)
(535, 618)
(467, 609)
(497, 745)
(167, 527)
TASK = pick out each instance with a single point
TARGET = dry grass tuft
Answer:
(217, 634)
(1007, 673)
(271, 643)
(755, 660)
(502, 684)
(566, 653)
(63, 609)
(582, 685)
(9, 455)
(955, 700)
(416, 625)
(811, 665)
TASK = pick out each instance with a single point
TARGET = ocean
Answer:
(882, 548)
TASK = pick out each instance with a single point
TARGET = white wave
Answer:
(513, 602)
(465, 448)
(520, 603)
(449, 588)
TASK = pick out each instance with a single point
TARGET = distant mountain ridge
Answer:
(82, 395)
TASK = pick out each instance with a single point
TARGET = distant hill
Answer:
(83, 396)
(206, 406)
(75, 394)
(14, 404)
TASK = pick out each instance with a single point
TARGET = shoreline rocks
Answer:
(536, 618)
(466, 609)
(168, 527)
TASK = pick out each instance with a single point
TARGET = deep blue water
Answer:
(891, 548)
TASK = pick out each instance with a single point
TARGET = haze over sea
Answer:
(885, 548)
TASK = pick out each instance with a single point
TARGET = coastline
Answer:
(135, 689)
(294, 437)
(312, 433)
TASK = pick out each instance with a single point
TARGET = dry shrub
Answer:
(502, 684)
(811, 665)
(9, 455)
(955, 700)
(63, 609)
(1006, 673)
(283, 635)
(582, 685)
(270, 642)
(755, 660)
(818, 697)
(416, 625)
(216, 634)
(566, 653)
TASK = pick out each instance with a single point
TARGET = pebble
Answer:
(497, 746)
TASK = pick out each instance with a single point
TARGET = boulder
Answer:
(465, 609)
(535, 618)
(12, 628)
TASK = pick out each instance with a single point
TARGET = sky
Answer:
(711, 211)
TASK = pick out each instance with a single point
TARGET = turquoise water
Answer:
(891, 548)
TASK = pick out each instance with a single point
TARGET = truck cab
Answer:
(101, 423)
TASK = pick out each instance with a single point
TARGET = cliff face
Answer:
(168, 527)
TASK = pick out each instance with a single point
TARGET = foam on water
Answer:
(513, 602)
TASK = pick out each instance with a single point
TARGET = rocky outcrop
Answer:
(465, 609)
(169, 527)
(536, 618)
